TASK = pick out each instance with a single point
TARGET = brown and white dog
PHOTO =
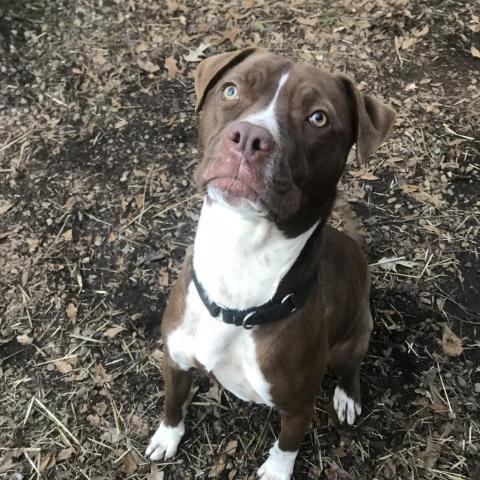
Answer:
(270, 296)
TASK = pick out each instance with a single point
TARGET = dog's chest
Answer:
(226, 351)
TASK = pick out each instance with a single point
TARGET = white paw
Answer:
(165, 441)
(279, 464)
(346, 407)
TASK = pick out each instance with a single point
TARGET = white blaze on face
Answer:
(267, 118)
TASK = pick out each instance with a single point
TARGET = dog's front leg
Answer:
(165, 441)
(281, 458)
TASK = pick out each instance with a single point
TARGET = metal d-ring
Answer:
(245, 324)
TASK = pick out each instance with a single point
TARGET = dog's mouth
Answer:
(234, 187)
(250, 187)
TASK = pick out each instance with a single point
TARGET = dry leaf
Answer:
(431, 454)
(219, 466)
(147, 65)
(171, 67)
(62, 366)
(451, 344)
(142, 47)
(309, 22)
(157, 355)
(475, 52)
(155, 474)
(112, 332)
(71, 312)
(24, 339)
(231, 34)
(129, 465)
(231, 447)
(47, 462)
(120, 124)
(32, 244)
(363, 175)
(407, 42)
(67, 235)
(5, 206)
(422, 32)
(420, 195)
(65, 454)
(196, 54)
(164, 277)
(390, 263)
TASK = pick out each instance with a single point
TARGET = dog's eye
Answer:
(318, 119)
(230, 92)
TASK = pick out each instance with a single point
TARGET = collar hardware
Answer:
(275, 309)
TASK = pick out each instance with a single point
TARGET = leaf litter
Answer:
(97, 207)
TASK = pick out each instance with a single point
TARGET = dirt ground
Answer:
(97, 149)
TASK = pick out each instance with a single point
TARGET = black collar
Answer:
(275, 309)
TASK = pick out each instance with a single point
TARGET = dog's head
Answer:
(274, 135)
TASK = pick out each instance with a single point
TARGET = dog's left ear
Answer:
(211, 69)
(373, 120)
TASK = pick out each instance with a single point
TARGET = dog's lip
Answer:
(233, 186)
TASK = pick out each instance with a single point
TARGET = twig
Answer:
(58, 422)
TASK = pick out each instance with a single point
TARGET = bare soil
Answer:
(97, 150)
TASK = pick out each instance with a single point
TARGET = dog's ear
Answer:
(373, 120)
(211, 69)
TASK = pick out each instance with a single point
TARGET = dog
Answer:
(269, 295)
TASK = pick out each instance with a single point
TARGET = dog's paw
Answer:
(164, 442)
(278, 466)
(346, 407)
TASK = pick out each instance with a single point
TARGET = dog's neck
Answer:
(240, 257)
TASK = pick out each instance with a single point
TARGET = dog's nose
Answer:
(251, 142)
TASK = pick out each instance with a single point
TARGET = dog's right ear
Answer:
(211, 69)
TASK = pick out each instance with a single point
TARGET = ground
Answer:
(97, 206)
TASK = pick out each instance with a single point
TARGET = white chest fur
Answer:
(239, 258)
(226, 351)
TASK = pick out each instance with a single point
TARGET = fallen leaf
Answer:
(62, 366)
(65, 454)
(157, 355)
(231, 34)
(120, 124)
(363, 175)
(71, 312)
(335, 473)
(451, 344)
(309, 22)
(408, 42)
(24, 339)
(215, 393)
(5, 206)
(422, 32)
(171, 67)
(196, 54)
(47, 462)
(431, 453)
(218, 466)
(475, 52)
(147, 65)
(112, 332)
(231, 447)
(68, 235)
(155, 474)
(142, 47)
(390, 263)
(32, 244)
(129, 465)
